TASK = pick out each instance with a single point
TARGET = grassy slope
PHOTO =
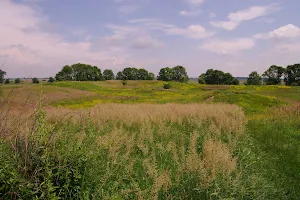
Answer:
(274, 139)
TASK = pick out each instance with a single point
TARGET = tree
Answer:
(273, 75)
(179, 74)
(151, 76)
(143, 74)
(2, 74)
(292, 75)
(165, 74)
(254, 79)
(7, 81)
(201, 79)
(79, 72)
(51, 80)
(108, 74)
(35, 81)
(131, 73)
(217, 77)
(134, 74)
(120, 76)
(17, 81)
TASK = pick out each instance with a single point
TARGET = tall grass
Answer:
(192, 151)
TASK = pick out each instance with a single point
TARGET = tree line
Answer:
(84, 72)
(275, 74)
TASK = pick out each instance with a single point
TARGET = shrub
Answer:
(124, 83)
(294, 84)
(7, 81)
(35, 81)
(167, 86)
(51, 80)
(17, 81)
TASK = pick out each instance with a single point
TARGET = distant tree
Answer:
(143, 74)
(2, 74)
(108, 74)
(7, 81)
(131, 73)
(292, 75)
(179, 74)
(35, 81)
(217, 77)
(254, 79)
(120, 76)
(228, 79)
(134, 74)
(17, 81)
(165, 74)
(273, 75)
(51, 80)
(201, 79)
(79, 72)
(151, 76)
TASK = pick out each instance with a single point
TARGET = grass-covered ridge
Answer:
(106, 140)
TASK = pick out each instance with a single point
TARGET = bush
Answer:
(7, 81)
(294, 84)
(167, 86)
(124, 83)
(51, 80)
(17, 81)
(35, 81)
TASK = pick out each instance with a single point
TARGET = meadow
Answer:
(106, 140)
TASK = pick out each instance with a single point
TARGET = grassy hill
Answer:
(106, 140)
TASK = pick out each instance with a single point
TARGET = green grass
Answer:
(66, 161)
(277, 142)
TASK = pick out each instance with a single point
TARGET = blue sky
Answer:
(38, 37)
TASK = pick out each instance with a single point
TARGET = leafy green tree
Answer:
(143, 74)
(17, 81)
(165, 74)
(179, 74)
(131, 73)
(108, 74)
(201, 79)
(254, 79)
(51, 80)
(120, 76)
(217, 77)
(35, 81)
(273, 75)
(79, 72)
(7, 81)
(2, 74)
(151, 76)
(292, 75)
(228, 79)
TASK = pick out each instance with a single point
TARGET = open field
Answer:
(103, 140)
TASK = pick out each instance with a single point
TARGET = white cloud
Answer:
(193, 31)
(236, 18)
(228, 47)
(227, 25)
(146, 42)
(285, 32)
(195, 2)
(190, 13)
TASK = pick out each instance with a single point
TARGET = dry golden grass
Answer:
(222, 115)
(156, 130)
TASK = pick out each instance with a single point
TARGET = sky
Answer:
(39, 37)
